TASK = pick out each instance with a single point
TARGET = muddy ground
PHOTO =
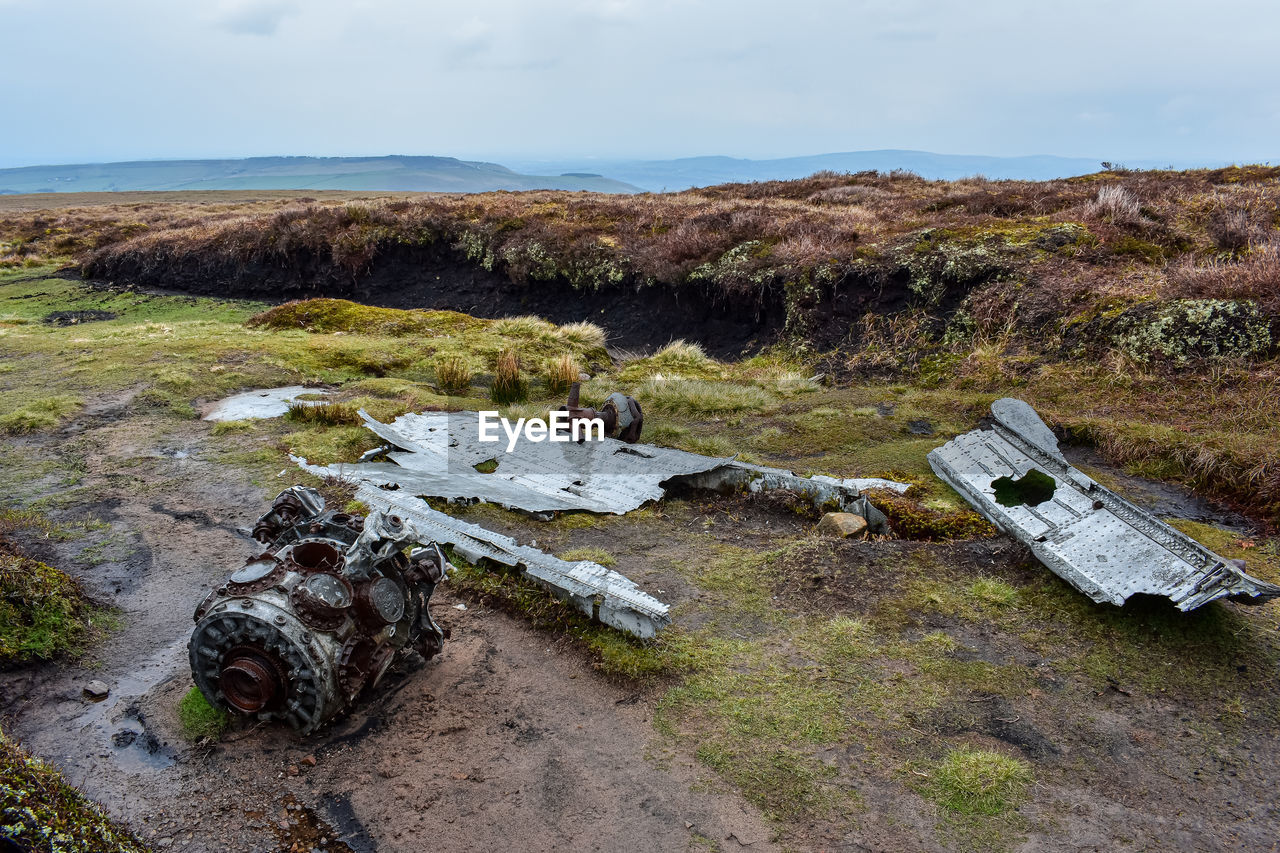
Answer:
(509, 740)
(512, 740)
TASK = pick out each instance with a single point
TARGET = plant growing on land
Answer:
(453, 377)
(43, 612)
(561, 373)
(976, 781)
(200, 719)
(40, 811)
(40, 413)
(508, 385)
(324, 414)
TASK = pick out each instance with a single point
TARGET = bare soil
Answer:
(511, 739)
(508, 740)
(436, 277)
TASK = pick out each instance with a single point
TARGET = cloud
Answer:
(253, 17)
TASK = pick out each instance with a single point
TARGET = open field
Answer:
(938, 689)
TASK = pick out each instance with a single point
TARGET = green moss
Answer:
(199, 719)
(595, 555)
(913, 520)
(339, 315)
(37, 413)
(1187, 329)
(979, 782)
(1128, 246)
(39, 810)
(43, 612)
(1031, 489)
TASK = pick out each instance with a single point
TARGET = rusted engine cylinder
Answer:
(301, 629)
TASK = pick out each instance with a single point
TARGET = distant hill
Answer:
(403, 174)
(657, 175)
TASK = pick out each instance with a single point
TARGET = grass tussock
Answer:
(38, 413)
(453, 377)
(199, 719)
(979, 782)
(509, 385)
(561, 373)
(40, 810)
(324, 414)
(43, 612)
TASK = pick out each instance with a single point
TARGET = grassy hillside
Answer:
(1140, 308)
(403, 174)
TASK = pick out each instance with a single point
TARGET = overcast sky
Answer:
(86, 80)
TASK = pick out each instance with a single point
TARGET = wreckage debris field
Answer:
(934, 687)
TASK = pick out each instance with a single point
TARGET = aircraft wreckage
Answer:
(441, 455)
(304, 627)
(318, 616)
(308, 624)
(1013, 473)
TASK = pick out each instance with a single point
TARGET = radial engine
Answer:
(303, 628)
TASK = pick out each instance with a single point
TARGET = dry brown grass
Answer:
(561, 373)
(508, 385)
(882, 242)
(453, 377)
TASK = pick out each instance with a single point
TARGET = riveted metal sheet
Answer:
(1094, 539)
(437, 456)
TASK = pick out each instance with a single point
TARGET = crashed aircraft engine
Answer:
(300, 630)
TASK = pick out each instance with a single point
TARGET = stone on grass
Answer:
(842, 524)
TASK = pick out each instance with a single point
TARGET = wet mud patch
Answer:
(74, 318)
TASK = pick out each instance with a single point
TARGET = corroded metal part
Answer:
(302, 629)
(1091, 537)
(620, 414)
(597, 592)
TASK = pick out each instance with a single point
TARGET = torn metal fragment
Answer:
(598, 592)
(1091, 537)
(440, 455)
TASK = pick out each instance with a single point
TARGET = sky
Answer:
(87, 81)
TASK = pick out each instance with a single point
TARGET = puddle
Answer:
(299, 827)
(116, 727)
(262, 403)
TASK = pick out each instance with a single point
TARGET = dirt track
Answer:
(509, 740)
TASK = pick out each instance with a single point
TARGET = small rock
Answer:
(310, 761)
(293, 770)
(842, 524)
(96, 690)
(164, 843)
